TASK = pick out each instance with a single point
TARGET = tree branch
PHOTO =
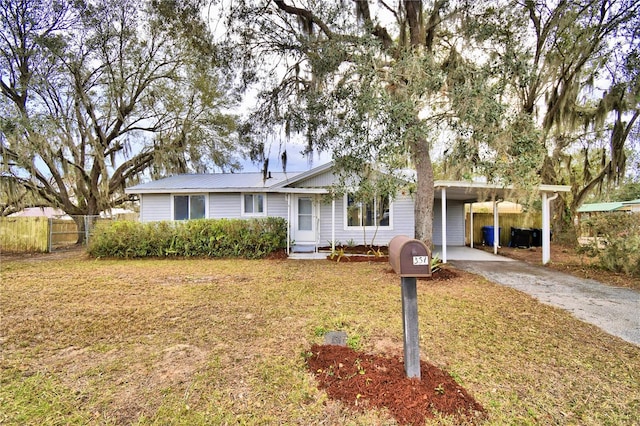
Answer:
(305, 14)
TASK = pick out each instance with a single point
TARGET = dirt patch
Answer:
(69, 252)
(361, 381)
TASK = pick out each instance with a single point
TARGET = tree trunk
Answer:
(81, 226)
(424, 192)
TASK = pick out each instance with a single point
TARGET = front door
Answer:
(305, 226)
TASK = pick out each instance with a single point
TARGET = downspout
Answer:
(546, 226)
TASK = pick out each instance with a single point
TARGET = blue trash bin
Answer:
(487, 235)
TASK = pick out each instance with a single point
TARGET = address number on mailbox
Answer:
(420, 260)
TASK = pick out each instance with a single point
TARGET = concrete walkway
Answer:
(615, 310)
(468, 253)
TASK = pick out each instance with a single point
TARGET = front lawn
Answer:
(193, 342)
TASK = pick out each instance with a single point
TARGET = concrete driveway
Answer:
(613, 309)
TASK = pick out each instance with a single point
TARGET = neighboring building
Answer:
(588, 209)
(633, 205)
(53, 213)
(503, 207)
(49, 212)
(314, 218)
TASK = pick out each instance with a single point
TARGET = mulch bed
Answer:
(364, 381)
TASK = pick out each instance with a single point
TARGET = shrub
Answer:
(617, 242)
(253, 238)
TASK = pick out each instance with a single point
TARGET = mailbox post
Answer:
(410, 259)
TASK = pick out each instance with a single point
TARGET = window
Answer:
(253, 205)
(189, 207)
(375, 212)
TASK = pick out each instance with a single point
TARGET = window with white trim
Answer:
(372, 213)
(253, 205)
(187, 207)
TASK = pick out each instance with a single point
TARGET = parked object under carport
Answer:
(521, 237)
(487, 235)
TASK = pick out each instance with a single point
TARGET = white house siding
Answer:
(403, 224)
(455, 223)
(229, 205)
(277, 205)
(155, 207)
(224, 205)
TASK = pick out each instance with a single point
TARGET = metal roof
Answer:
(600, 207)
(214, 182)
(280, 182)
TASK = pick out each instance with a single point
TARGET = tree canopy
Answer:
(506, 90)
(97, 94)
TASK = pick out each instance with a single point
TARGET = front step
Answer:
(303, 248)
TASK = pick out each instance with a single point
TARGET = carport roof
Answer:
(478, 191)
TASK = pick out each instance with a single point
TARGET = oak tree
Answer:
(95, 95)
(377, 83)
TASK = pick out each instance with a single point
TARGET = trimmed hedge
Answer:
(250, 239)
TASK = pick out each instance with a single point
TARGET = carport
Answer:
(473, 192)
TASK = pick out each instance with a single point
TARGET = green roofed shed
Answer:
(601, 207)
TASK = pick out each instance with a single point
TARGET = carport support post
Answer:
(496, 226)
(444, 224)
(410, 327)
(546, 227)
(471, 223)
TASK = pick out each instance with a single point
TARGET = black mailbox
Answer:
(409, 257)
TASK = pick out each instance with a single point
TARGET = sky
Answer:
(296, 160)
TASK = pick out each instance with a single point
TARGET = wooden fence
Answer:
(506, 222)
(24, 234)
(41, 234)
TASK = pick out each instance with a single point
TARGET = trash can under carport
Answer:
(487, 235)
(536, 237)
(520, 237)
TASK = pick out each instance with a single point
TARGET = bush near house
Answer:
(617, 242)
(249, 239)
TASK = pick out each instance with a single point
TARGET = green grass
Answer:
(198, 342)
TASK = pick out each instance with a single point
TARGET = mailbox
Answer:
(409, 257)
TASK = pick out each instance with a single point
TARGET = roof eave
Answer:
(226, 190)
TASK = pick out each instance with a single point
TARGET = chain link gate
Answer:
(64, 233)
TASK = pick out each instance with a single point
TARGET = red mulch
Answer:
(362, 380)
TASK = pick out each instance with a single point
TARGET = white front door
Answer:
(304, 220)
